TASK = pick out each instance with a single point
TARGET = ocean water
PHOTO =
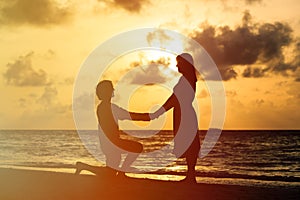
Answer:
(239, 157)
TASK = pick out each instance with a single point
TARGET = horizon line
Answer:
(61, 129)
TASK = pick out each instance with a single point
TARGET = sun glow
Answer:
(157, 55)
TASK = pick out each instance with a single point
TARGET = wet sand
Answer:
(18, 184)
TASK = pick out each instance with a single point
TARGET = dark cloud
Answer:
(296, 61)
(259, 102)
(49, 54)
(228, 73)
(68, 81)
(49, 101)
(235, 5)
(159, 35)
(250, 2)
(151, 72)
(21, 73)
(47, 109)
(247, 44)
(35, 12)
(253, 72)
(49, 95)
(22, 102)
(231, 93)
(129, 5)
(297, 75)
(46, 105)
(83, 102)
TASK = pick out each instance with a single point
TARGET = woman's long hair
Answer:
(189, 71)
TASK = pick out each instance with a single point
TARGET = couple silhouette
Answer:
(185, 124)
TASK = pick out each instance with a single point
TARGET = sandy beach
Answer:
(18, 184)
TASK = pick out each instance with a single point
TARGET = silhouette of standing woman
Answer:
(185, 123)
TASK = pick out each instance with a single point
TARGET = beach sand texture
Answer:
(16, 184)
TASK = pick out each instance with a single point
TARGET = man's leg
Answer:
(133, 150)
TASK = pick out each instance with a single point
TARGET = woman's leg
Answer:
(191, 171)
(191, 159)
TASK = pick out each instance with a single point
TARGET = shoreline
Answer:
(32, 184)
(205, 178)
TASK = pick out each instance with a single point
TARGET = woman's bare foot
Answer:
(121, 174)
(79, 167)
(189, 180)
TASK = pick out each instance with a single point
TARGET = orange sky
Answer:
(255, 44)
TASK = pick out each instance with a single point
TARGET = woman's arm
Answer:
(139, 116)
(171, 101)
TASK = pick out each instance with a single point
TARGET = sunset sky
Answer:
(254, 43)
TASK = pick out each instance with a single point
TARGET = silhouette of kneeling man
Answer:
(111, 144)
